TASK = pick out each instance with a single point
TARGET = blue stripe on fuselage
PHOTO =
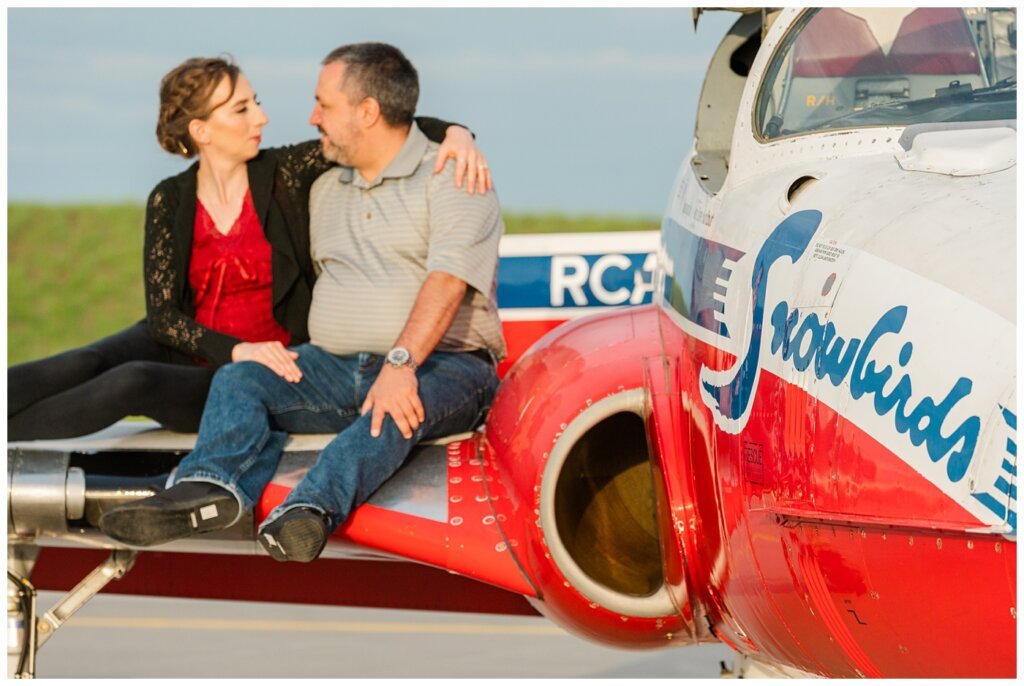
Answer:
(697, 265)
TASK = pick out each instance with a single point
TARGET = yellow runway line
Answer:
(318, 627)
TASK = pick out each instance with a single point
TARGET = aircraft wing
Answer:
(435, 511)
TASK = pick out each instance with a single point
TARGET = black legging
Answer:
(89, 388)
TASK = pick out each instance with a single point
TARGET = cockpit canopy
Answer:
(854, 67)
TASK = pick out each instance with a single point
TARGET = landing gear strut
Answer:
(25, 633)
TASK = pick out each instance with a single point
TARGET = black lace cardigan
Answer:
(279, 180)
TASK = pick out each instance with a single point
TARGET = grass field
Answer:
(74, 273)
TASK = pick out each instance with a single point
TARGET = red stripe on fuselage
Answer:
(802, 492)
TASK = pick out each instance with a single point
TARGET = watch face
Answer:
(398, 357)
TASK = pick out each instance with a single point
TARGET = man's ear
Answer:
(197, 129)
(369, 112)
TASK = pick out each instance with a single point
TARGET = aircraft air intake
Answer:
(578, 491)
(605, 507)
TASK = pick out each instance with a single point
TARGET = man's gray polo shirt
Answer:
(373, 244)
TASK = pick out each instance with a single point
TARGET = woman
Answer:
(228, 276)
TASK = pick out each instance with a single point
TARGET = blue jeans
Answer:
(250, 411)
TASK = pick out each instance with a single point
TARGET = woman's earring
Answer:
(184, 150)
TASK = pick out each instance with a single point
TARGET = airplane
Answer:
(785, 422)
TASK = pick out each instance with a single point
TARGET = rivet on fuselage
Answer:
(1013, 613)
(970, 545)
(938, 543)
(999, 547)
(911, 540)
(668, 636)
(874, 595)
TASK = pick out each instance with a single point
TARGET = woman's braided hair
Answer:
(185, 94)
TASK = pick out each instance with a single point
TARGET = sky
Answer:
(579, 111)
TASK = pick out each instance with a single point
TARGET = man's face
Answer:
(335, 116)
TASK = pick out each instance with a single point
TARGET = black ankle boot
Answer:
(187, 508)
(299, 535)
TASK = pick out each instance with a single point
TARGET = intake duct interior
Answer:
(599, 508)
(605, 507)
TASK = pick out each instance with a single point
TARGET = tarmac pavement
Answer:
(124, 636)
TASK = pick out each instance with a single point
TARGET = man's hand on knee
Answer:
(395, 392)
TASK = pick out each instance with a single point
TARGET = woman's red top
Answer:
(231, 277)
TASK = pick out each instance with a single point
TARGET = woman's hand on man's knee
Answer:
(271, 354)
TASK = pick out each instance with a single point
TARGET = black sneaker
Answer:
(187, 508)
(299, 535)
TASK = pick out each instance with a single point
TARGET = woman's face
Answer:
(235, 128)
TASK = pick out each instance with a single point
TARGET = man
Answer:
(403, 326)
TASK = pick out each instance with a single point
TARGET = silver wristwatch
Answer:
(400, 357)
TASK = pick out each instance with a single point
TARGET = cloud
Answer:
(285, 69)
(113, 67)
(42, 107)
(608, 62)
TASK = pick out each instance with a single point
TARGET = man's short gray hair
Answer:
(379, 71)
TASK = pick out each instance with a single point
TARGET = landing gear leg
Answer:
(21, 609)
(32, 633)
